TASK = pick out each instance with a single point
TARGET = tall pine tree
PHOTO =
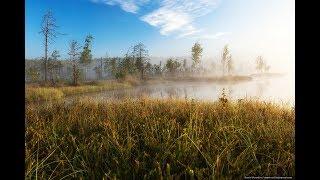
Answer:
(86, 56)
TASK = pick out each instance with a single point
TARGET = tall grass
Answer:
(41, 93)
(156, 139)
(34, 93)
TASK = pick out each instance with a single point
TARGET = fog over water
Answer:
(276, 89)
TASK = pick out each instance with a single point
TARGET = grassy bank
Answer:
(93, 88)
(156, 139)
(56, 93)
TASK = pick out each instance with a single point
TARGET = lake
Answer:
(277, 89)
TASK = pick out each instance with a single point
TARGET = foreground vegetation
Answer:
(155, 139)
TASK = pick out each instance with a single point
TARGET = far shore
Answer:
(267, 75)
(218, 79)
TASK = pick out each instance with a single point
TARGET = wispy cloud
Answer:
(131, 6)
(178, 15)
(172, 16)
(189, 31)
(211, 36)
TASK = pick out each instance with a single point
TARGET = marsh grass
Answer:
(159, 139)
(93, 88)
(34, 93)
(42, 94)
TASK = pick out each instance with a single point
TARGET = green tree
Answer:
(157, 69)
(230, 66)
(33, 73)
(266, 68)
(106, 63)
(140, 53)
(169, 65)
(58, 69)
(148, 69)
(54, 65)
(172, 66)
(74, 57)
(86, 56)
(99, 69)
(185, 67)
(160, 68)
(260, 64)
(196, 52)
(224, 59)
(128, 63)
(111, 66)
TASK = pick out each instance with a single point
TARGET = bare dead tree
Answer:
(48, 30)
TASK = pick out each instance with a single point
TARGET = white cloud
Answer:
(131, 6)
(173, 16)
(189, 31)
(211, 36)
(178, 15)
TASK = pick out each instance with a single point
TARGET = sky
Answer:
(170, 27)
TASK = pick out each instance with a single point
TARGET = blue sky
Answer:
(169, 27)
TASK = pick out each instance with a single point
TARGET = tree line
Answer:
(135, 62)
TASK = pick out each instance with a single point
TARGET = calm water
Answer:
(279, 89)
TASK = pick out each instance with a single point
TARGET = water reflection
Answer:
(185, 93)
(262, 87)
(172, 92)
